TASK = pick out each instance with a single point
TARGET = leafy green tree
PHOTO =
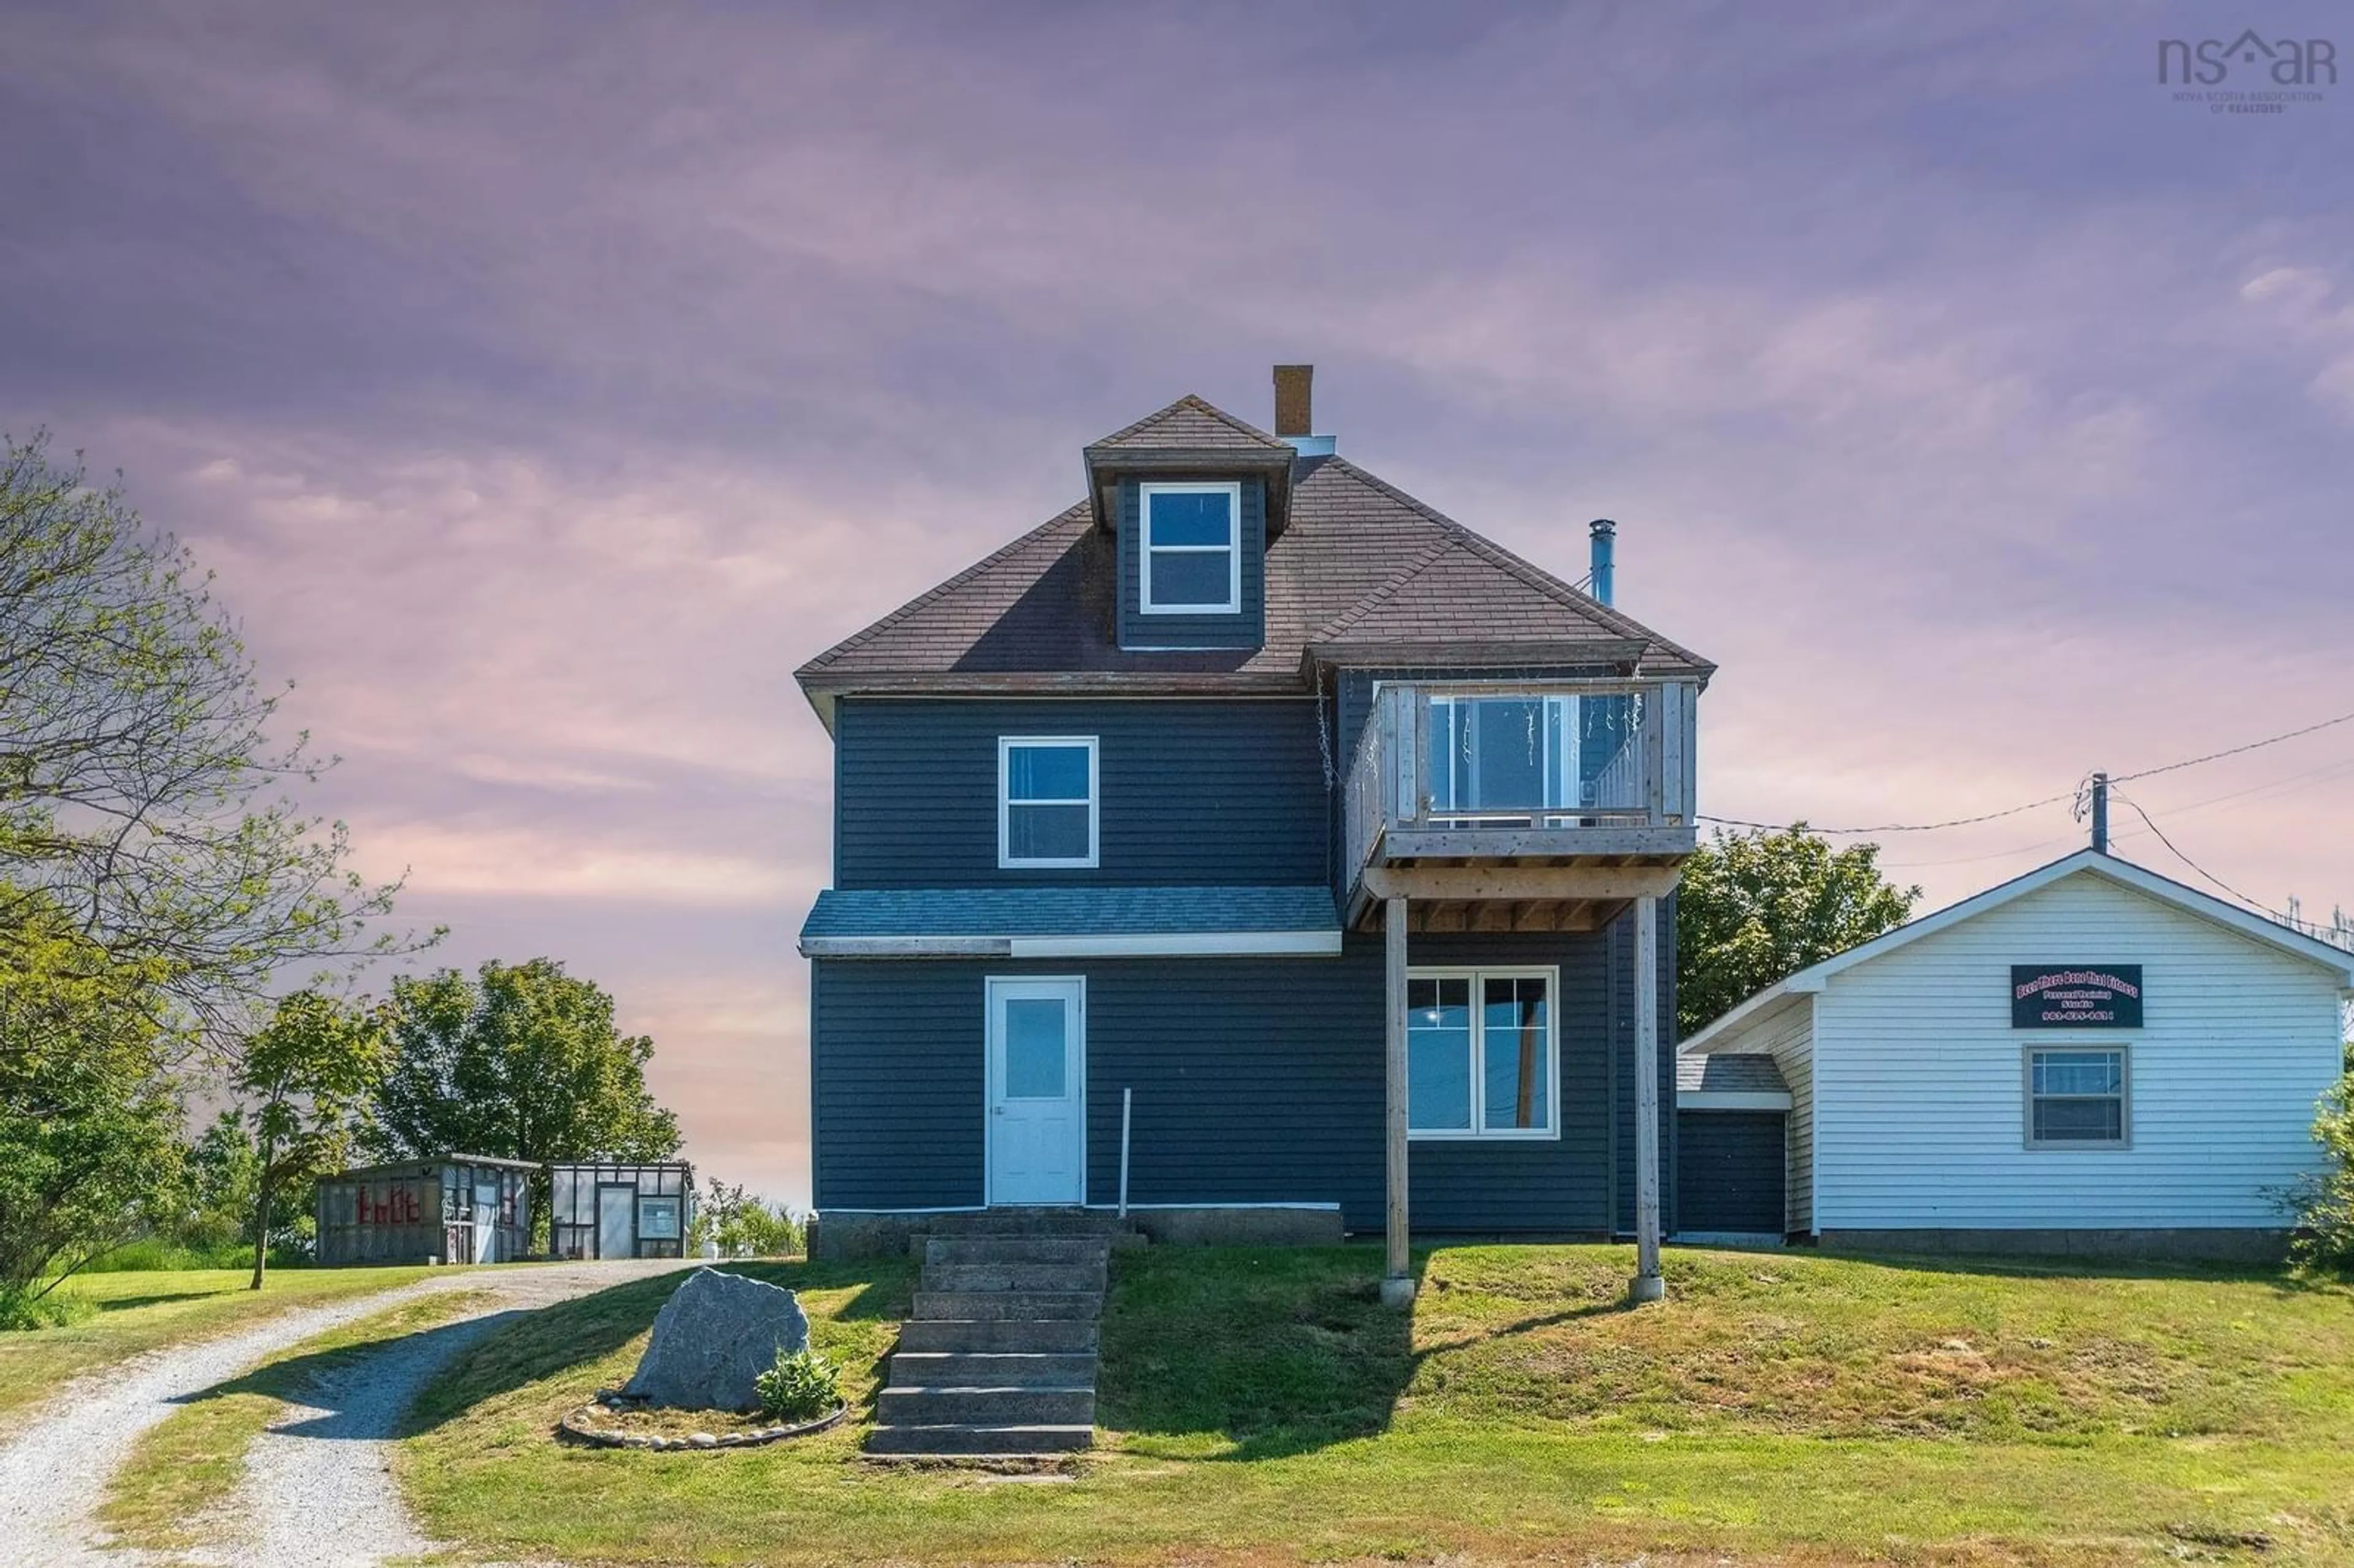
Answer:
(223, 1173)
(311, 1077)
(521, 1061)
(89, 1131)
(154, 880)
(1755, 908)
(139, 790)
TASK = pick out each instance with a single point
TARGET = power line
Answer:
(2234, 751)
(1892, 827)
(2074, 794)
(2147, 821)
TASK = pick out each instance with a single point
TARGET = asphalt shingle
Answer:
(1067, 911)
(1360, 564)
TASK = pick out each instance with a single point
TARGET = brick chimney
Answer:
(1295, 418)
(1293, 392)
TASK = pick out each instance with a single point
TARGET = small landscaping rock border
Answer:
(580, 1424)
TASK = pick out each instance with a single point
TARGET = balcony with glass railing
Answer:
(1544, 773)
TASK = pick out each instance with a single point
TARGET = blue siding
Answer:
(896, 1060)
(1256, 1081)
(1245, 629)
(1206, 792)
(1732, 1165)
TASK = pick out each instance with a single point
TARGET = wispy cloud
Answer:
(545, 384)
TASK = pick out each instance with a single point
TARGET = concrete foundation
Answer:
(838, 1233)
(2156, 1245)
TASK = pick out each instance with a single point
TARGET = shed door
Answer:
(486, 1222)
(1729, 1168)
(1037, 1094)
(617, 1222)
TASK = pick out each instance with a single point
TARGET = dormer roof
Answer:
(1191, 439)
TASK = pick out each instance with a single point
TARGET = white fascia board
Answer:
(1181, 944)
(1754, 1011)
(905, 947)
(1733, 1099)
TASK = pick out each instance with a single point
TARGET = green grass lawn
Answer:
(1261, 1406)
(143, 1309)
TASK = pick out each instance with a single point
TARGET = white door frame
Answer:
(992, 1059)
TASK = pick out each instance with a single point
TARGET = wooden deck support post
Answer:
(1397, 1278)
(1647, 1285)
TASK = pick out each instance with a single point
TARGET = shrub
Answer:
(32, 1309)
(2324, 1202)
(742, 1226)
(801, 1386)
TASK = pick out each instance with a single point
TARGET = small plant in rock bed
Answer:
(801, 1386)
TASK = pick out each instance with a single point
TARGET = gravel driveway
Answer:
(315, 1492)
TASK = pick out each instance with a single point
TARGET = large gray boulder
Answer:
(715, 1335)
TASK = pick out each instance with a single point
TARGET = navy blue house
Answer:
(1254, 804)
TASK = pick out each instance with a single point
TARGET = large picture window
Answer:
(2077, 1100)
(1191, 558)
(1483, 1054)
(1046, 802)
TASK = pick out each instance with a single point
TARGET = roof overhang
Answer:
(1107, 466)
(1605, 656)
(822, 690)
(1157, 945)
(1733, 1099)
(1072, 921)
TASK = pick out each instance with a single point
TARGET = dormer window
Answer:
(1192, 562)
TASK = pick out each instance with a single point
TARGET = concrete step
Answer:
(1021, 1276)
(927, 1369)
(985, 1407)
(1083, 1250)
(1010, 1305)
(997, 1336)
(972, 1439)
(1029, 1223)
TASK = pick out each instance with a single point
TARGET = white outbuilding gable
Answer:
(2091, 1057)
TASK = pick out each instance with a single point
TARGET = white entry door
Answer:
(1037, 1091)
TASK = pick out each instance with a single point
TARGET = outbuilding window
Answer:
(2077, 1100)
(1046, 800)
(1191, 561)
(1482, 1054)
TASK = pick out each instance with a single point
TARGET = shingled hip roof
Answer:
(1361, 569)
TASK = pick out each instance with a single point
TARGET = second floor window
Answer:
(1190, 557)
(1046, 801)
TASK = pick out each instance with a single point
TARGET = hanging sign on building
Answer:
(2075, 996)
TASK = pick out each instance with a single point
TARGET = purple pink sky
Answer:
(546, 383)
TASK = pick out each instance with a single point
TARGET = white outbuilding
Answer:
(2089, 1060)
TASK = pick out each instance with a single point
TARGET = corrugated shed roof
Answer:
(1362, 564)
(1743, 1075)
(1067, 911)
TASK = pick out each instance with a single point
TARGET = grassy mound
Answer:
(1261, 1406)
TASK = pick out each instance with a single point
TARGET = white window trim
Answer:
(1006, 860)
(1232, 549)
(1478, 1132)
(2027, 1055)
